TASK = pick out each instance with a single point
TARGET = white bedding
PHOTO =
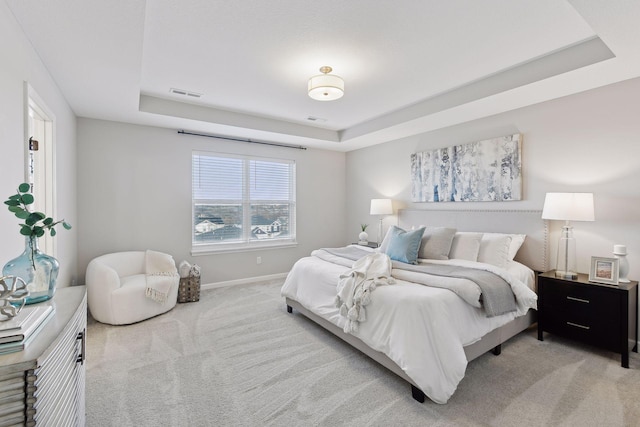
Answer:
(422, 329)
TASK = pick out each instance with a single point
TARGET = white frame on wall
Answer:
(40, 171)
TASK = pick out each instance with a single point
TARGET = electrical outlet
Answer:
(259, 260)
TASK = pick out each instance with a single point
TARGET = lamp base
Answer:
(566, 265)
(570, 275)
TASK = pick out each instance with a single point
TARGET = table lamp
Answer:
(381, 207)
(568, 207)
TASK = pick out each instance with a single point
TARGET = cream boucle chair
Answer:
(116, 285)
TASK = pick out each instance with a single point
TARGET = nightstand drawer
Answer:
(582, 303)
(592, 330)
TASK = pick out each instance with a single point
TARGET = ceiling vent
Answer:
(185, 93)
(316, 119)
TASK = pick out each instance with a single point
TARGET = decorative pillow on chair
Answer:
(403, 245)
(436, 243)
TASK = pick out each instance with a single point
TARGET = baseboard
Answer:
(246, 281)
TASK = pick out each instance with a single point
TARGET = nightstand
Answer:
(605, 316)
(368, 245)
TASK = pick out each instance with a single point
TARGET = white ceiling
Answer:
(410, 66)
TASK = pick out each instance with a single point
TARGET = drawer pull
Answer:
(579, 326)
(578, 299)
(82, 337)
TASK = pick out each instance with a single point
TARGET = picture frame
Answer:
(481, 171)
(604, 270)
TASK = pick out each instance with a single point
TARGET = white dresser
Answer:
(44, 384)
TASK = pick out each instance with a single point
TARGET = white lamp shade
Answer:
(568, 207)
(326, 87)
(381, 207)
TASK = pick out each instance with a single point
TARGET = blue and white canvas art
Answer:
(483, 171)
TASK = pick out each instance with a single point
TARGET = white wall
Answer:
(21, 64)
(586, 142)
(134, 193)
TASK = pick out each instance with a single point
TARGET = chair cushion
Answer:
(134, 283)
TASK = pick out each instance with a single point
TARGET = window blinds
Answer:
(261, 190)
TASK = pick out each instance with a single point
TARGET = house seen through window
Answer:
(242, 202)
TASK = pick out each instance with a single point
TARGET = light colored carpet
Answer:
(237, 358)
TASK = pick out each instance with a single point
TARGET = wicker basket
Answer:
(189, 289)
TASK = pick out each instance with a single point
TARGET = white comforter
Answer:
(423, 329)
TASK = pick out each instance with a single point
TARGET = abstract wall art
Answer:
(483, 171)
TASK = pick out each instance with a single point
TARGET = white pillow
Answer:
(516, 242)
(465, 245)
(494, 249)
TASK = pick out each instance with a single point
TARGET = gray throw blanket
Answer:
(497, 296)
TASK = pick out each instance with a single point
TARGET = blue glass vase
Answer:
(37, 269)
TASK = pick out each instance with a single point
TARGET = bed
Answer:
(428, 334)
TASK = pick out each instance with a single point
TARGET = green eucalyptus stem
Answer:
(32, 245)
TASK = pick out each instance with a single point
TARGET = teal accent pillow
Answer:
(404, 245)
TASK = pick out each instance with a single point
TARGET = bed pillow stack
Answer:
(492, 248)
(405, 246)
(442, 243)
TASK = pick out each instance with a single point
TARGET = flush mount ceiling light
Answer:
(325, 86)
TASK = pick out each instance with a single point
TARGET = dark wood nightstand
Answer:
(369, 244)
(602, 315)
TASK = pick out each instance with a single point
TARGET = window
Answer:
(242, 202)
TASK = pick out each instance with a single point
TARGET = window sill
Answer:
(239, 247)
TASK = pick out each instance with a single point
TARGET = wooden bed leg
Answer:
(497, 350)
(289, 309)
(417, 394)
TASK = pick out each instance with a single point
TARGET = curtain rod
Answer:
(275, 144)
